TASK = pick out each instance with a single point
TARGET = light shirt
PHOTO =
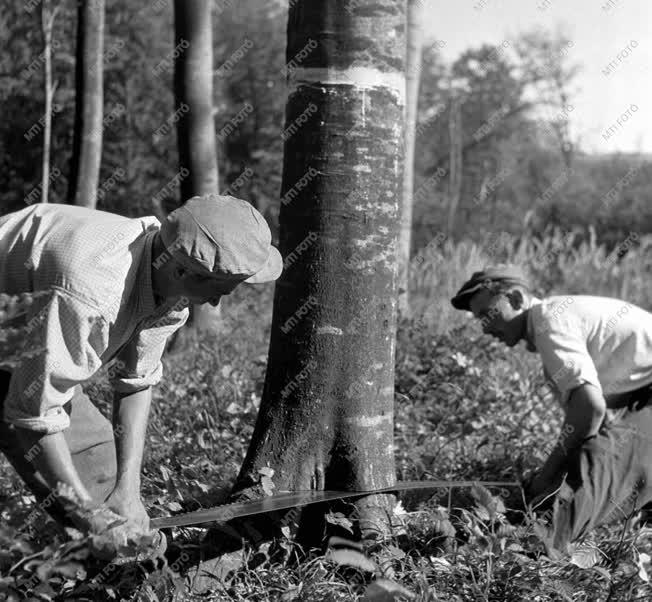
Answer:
(95, 268)
(597, 340)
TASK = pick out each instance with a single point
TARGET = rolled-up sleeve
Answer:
(138, 364)
(66, 336)
(566, 359)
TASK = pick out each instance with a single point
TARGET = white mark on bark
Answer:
(386, 255)
(370, 421)
(363, 167)
(329, 330)
(364, 78)
(382, 207)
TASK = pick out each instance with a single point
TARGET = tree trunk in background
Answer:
(47, 24)
(412, 78)
(196, 142)
(455, 173)
(89, 104)
(326, 415)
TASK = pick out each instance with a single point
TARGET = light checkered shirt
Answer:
(96, 267)
(601, 341)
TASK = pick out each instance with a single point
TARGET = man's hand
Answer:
(129, 505)
(585, 412)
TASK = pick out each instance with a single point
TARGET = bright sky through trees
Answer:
(612, 41)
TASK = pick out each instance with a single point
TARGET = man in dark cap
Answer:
(109, 289)
(597, 359)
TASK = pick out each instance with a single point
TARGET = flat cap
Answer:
(224, 237)
(504, 273)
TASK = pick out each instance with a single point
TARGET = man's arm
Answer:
(585, 413)
(130, 414)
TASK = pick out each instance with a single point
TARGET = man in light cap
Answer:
(597, 359)
(110, 289)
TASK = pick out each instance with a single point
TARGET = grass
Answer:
(466, 408)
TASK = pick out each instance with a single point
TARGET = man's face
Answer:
(501, 314)
(198, 288)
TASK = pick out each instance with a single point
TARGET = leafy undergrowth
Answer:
(466, 408)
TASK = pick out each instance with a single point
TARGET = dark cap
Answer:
(504, 273)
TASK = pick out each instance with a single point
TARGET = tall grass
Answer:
(559, 263)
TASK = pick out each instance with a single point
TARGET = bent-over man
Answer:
(109, 287)
(597, 358)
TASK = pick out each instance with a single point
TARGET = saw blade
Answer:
(293, 499)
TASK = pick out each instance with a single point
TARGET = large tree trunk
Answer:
(412, 78)
(196, 142)
(326, 416)
(89, 100)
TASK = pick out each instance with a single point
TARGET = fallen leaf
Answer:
(643, 563)
(384, 590)
(337, 518)
(585, 555)
(440, 564)
(352, 558)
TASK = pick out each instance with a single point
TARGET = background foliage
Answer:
(522, 171)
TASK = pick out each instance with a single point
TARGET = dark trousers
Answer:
(89, 437)
(609, 476)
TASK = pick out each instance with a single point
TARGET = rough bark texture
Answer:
(196, 142)
(326, 417)
(89, 100)
(412, 77)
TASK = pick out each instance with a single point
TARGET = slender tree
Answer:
(48, 14)
(89, 99)
(412, 77)
(326, 416)
(193, 88)
(455, 162)
(193, 112)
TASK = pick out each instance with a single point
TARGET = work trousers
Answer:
(609, 476)
(91, 443)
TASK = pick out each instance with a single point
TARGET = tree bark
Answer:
(326, 416)
(47, 24)
(196, 142)
(89, 104)
(412, 78)
(193, 87)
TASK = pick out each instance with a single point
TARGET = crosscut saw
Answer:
(295, 499)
